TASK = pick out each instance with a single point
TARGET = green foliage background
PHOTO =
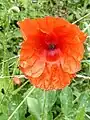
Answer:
(71, 103)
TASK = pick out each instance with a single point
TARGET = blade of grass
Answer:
(18, 89)
(19, 76)
(82, 76)
(86, 28)
(87, 116)
(10, 59)
(21, 103)
(81, 18)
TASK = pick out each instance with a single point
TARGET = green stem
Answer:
(44, 107)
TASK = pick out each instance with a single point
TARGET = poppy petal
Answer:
(53, 77)
(70, 34)
(28, 27)
(35, 69)
(60, 22)
(72, 51)
(46, 24)
(82, 36)
(69, 64)
(31, 62)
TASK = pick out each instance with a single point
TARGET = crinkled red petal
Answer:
(52, 78)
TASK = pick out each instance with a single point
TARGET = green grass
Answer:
(24, 102)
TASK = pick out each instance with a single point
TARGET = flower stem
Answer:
(44, 107)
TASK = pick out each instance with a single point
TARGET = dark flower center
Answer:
(52, 46)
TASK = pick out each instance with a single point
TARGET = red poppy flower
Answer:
(51, 51)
